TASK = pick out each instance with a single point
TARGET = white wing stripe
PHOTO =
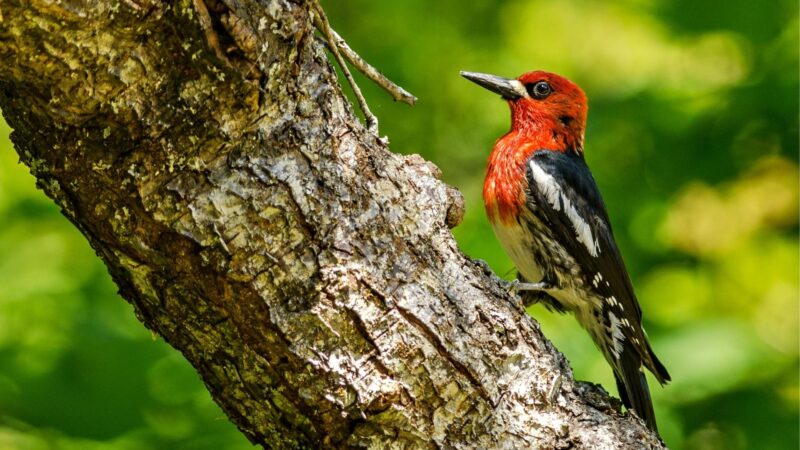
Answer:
(555, 196)
(617, 337)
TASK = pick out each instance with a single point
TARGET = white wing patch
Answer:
(555, 195)
(617, 337)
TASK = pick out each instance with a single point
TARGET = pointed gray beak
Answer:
(509, 89)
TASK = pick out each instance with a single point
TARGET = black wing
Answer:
(566, 197)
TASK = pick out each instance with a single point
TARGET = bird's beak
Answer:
(509, 89)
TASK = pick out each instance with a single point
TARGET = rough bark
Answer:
(206, 152)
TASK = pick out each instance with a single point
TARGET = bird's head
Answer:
(543, 105)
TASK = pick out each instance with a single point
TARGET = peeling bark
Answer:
(306, 272)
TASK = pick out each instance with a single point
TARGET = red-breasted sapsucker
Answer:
(547, 213)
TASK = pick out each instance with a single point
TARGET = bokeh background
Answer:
(693, 139)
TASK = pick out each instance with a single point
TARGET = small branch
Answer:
(325, 27)
(397, 92)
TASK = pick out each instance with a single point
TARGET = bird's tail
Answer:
(632, 386)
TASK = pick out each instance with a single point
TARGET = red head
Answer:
(545, 107)
(548, 112)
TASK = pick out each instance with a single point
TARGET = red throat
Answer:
(503, 189)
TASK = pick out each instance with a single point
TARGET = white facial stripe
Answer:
(519, 87)
(553, 193)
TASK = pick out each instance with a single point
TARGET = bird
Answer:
(547, 212)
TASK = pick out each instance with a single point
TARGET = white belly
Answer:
(517, 242)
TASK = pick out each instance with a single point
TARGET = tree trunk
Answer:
(207, 153)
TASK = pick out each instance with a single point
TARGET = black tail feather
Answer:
(633, 389)
(658, 369)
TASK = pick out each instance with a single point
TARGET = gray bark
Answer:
(208, 155)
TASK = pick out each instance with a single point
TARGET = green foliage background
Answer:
(693, 138)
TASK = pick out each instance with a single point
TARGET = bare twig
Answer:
(397, 92)
(325, 27)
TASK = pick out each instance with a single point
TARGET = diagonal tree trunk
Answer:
(206, 152)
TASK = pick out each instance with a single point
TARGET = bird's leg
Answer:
(517, 286)
(540, 286)
(530, 293)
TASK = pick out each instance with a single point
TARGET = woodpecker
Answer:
(548, 215)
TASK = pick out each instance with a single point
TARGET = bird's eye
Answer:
(539, 90)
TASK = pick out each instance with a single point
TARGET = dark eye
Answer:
(539, 90)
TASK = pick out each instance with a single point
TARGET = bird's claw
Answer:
(511, 286)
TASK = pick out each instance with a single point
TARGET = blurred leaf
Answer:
(622, 49)
(172, 381)
(172, 423)
(710, 357)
